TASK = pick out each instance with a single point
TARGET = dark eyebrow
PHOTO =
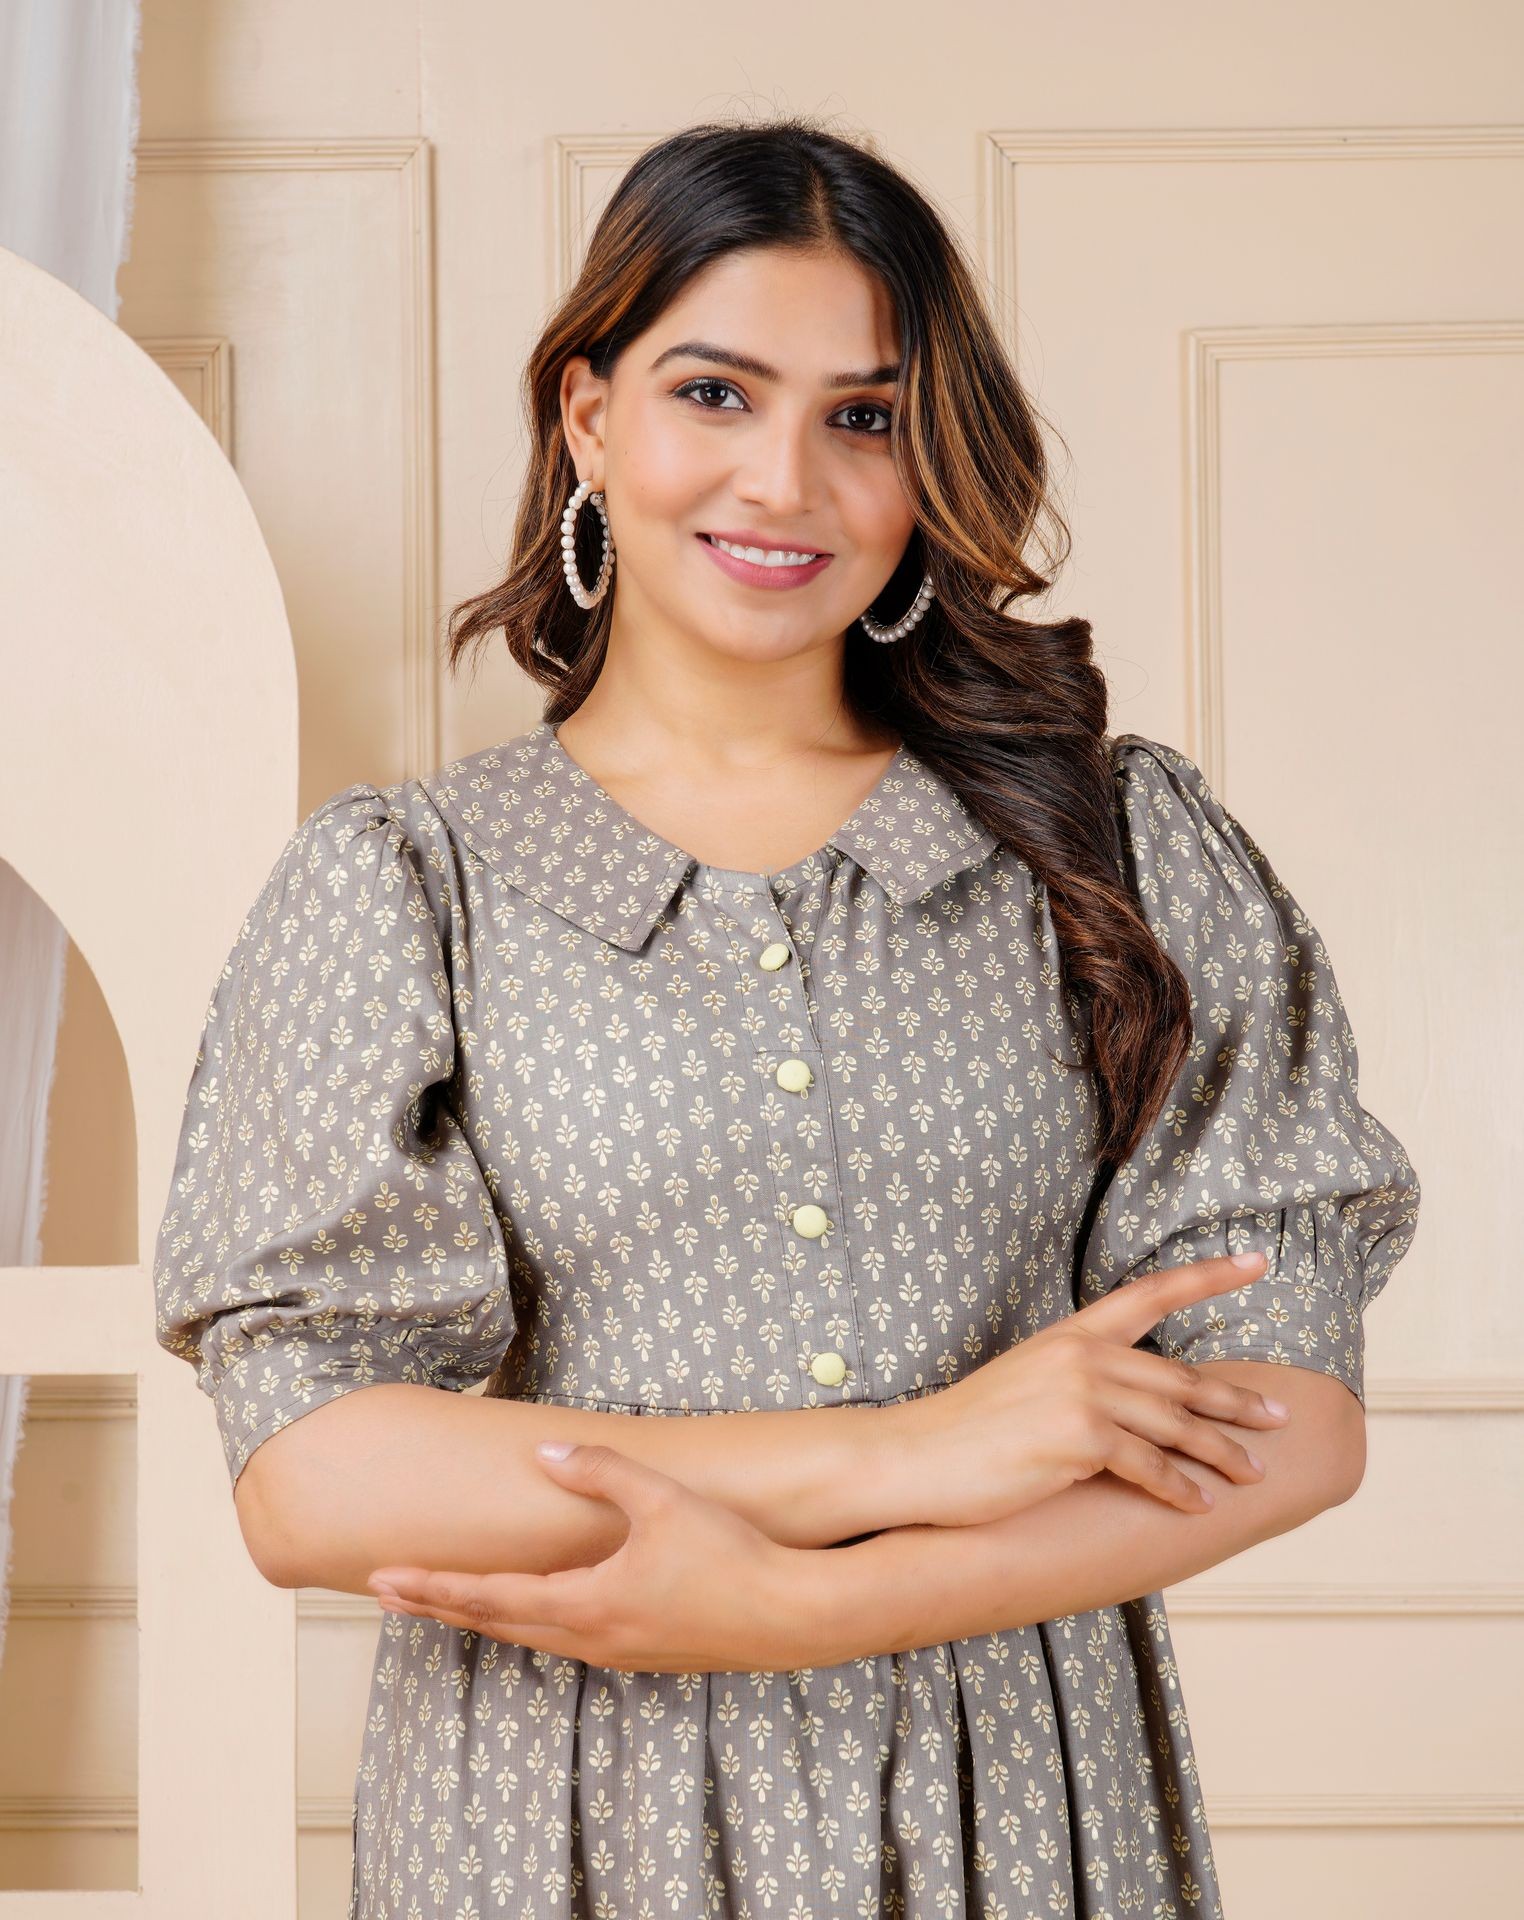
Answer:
(759, 369)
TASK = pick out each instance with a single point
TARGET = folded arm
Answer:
(394, 1473)
(398, 1474)
(1099, 1542)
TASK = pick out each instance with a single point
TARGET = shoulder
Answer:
(371, 823)
(354, 823)
(1145, 768)
(1187, 853)
(361, 847)
(485, 799)
(1161, 789)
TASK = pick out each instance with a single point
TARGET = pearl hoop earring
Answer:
(585, 596)
(912, 615)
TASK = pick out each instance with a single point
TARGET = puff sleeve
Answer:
(328, 1225)
(1263, 1143)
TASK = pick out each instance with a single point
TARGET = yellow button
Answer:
(810, 1220)
(774, 956)
(829, 1369)
(794, 1075)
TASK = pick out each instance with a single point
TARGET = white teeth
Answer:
(762, 556)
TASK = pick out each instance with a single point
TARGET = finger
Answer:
(563, 1600)
(524, 1633)
(1199, 1388)
(607, 1474)
(1149, 1467)
(1133, 1307)
(1169, 1423)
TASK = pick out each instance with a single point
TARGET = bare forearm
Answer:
(1100, 1541)
(397, 1474)
(1097, 1543)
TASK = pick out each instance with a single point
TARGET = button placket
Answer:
(763, 944)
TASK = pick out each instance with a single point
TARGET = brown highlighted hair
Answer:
(1010, 711)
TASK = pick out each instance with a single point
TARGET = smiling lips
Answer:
(747, 564)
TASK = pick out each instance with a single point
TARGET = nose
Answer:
(776, 470)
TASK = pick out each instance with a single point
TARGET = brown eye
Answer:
(869, 407)
(693, 387)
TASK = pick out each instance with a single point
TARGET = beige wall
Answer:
(1286, 354)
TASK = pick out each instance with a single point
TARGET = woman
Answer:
(814, 1021)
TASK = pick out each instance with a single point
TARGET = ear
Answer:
(584, 409)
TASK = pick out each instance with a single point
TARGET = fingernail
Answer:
(1245, 1259)
(1276, 1406)
(554, 1449)
(1209, 1497)
(1253, 1460)
(385, 1593)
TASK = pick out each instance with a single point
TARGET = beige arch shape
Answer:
(148, 778)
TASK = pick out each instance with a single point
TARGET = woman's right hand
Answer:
(1075, 1399)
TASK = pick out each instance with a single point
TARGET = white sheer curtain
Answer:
(68, 131)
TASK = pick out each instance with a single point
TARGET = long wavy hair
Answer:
(1010, 712)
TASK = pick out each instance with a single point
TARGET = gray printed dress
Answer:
(496, 1084)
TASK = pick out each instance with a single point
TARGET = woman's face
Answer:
(756, 409)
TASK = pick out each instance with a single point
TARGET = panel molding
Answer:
(113, 1396)
(1367, 1811)
(410, 161)
(573, 159)
(1207, 351)
(1327, 1600)
(68, 1813)
(57, 1397)
(209, 359)
(1200, 1598)
(1052, 146)
(333, 1813)
(1002, 152)
(1441, 1394)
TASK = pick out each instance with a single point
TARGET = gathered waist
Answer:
(592, 1402)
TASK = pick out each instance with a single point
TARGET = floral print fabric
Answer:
(498, 1085)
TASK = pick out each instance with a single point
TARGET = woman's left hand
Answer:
(692, 1588)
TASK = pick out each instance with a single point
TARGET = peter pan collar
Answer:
(529, 809)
